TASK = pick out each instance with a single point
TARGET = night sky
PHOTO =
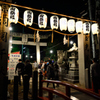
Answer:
(68, 7)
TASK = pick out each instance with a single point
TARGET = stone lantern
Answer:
(73, 73)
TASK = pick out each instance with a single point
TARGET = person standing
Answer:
(20, 68)
(52, 61)
(56, 70)
(95, 73)
(50, 73)
(35, 66)
(28, 70)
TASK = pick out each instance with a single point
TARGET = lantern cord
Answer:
(47, 12)
(33, 28)
(68, 41)
(52, 37)
(34, 35)
(48, 30)
(65, 34)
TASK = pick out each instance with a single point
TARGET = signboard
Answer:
(13, 61)
(24, 38)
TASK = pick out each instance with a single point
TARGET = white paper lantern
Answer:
(63, 24)
(71, 25)
(28, 17)
(79, 26)
(13, 15)
(54, 22)
(42, 20)
(95, 28)
(86, 28)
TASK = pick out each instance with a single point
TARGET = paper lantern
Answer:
(42, 20)
(63, 24)
(54, 22)
(13, 15)
(95, 28)
(86, 28)
(79, 26)
(28, 17)
(71, 25)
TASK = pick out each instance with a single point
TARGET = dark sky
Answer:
(68, 7)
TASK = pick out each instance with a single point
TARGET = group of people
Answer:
(23, 69)
(49, 69)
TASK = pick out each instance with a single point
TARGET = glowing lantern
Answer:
(86, 27)
(95, 28)
(42, 20)
(28, 17)
(13, 15)
(71, 25)
(79, 26)
(0, 11)
(54, 22)
(63, 24)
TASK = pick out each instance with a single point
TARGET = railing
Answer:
(66, 95)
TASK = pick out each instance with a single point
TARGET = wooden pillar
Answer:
(81, 59)
(4, 41)
(38, 51)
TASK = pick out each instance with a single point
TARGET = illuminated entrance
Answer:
(25, 41)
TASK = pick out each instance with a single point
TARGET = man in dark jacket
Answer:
(20, 69)
(95, 75)
(28, 71)
(50, 73)
(28, 68)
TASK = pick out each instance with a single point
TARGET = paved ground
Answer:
(75, 95)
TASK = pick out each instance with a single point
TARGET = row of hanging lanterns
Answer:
(79, 26)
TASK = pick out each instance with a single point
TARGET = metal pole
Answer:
(92, 39)
(5, 87)
(15, 91)
(25, 87)
(40, 84)
(22, 45)
(35, 85)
